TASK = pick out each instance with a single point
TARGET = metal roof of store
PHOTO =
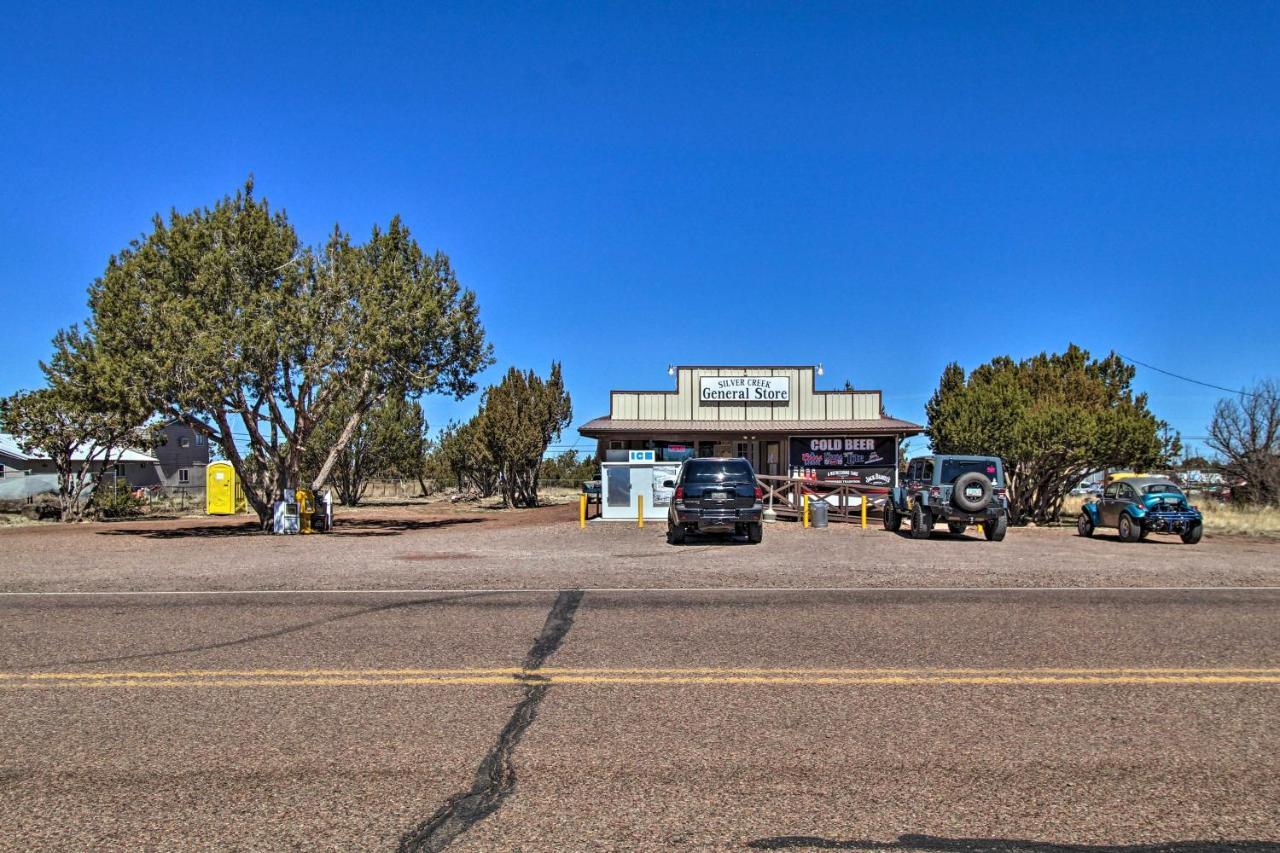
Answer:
(607, 425)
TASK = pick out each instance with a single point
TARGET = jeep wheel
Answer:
(995, 530)
(1192, 536)
(675, 535)
(1129, 531)
(956, 527)
(755, 532)
(921, 522)
(972, 482)
(1084, 525)
(892, 518)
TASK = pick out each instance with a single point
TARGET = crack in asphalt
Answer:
(495, 778)
(254, 638)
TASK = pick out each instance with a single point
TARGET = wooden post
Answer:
(582, 511)
(639, 510)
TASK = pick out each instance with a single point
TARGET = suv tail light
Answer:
(679, 493)
(759, 493)
(999, 491)
(935, 492)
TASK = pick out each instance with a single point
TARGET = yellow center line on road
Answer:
(643, 676)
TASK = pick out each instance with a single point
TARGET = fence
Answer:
(844, 502)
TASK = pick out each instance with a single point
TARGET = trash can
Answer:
(818, 513)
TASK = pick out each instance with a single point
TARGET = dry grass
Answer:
(1247, 520)
(1218, 518)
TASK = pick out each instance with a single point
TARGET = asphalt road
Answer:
(554, 719)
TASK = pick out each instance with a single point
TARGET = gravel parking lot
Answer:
(424, 680)
(446, 547)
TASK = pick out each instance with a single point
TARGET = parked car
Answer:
(715, 495)
(1136, 506)
(960, 490)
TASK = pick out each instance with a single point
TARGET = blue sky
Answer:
(882, 188)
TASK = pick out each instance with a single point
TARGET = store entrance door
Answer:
(772, 458)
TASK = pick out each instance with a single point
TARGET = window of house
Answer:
(199, 439)
(119, 469)
(184, 476)
(1, 472)
(184, 441)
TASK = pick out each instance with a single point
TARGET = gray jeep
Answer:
(960, 490)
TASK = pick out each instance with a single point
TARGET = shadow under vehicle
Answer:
(715, 495)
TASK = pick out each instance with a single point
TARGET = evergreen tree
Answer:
(1054, 419)
(231, 325)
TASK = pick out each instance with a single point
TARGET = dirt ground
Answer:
(447, 677)
(461, 547)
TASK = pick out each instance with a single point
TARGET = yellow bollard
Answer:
(864, 512)
(639, 510)
(805, 499)
(582, 512)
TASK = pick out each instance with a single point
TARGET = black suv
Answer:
(715, 496)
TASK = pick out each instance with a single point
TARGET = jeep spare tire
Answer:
(971, 492)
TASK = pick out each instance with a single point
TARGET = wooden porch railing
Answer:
(844, 502)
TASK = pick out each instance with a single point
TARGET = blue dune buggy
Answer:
(1137, 506)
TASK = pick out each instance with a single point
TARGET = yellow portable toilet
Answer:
(222, 492)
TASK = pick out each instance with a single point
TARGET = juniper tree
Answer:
(519, 418)
(82, 421)
(1054, 419)
(227, 322)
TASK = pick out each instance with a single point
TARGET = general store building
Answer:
(773, 415)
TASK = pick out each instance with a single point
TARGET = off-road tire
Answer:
(675, 535)
(1084, 525)
(892, 518)
(1192, 536)
(976, 504)
(921, 522)
(1129, 530)
(956, 527)
(995, 530)
(755, 532)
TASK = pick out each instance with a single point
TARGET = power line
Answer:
(1185, 378)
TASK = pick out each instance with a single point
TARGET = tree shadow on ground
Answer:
(341, 527)
(934, 843)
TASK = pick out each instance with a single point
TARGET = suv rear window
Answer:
(952, 469)
(703, 471)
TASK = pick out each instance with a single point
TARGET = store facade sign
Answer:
(641, 456)
(855, 461)
(744, 389)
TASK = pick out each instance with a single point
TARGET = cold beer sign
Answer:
(745, 389)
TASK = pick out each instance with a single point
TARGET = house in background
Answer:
(13, 461)
(181, 459)
(176, 465)
(38, 474)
